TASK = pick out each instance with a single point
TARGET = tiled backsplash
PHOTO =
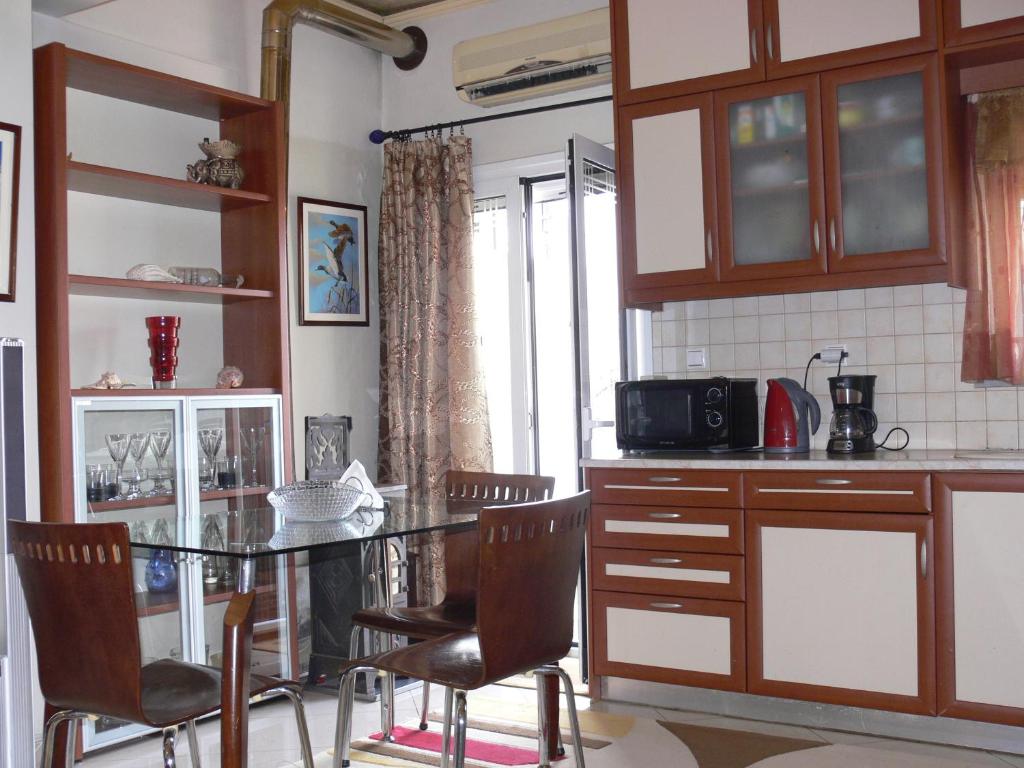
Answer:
(909, 336)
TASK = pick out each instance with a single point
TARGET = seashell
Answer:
(109, 380)
(152, 273)
(229, 377)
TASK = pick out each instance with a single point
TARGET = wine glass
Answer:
(209, 441)
(159, 443)
(138, 444)
(252, 441)
(117, 444)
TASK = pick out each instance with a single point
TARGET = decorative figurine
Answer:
(221, 167)
(205, 276)
(229, 377)
(109, 380)
(151, 273)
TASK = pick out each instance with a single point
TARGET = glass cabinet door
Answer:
(881, 156)
(770, 180)
(238, 461)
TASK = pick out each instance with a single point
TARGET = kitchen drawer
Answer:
(666, 487)
(719, 577)
(865, 491)
(670, 640)
(667, 528)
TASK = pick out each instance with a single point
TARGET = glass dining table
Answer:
(255, 542)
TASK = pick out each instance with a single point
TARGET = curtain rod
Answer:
(379, 137)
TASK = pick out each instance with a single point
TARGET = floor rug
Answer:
(476, 749)
(727, 748)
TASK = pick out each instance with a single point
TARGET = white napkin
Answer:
(355, 476)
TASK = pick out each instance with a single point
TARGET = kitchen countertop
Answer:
(948, 461)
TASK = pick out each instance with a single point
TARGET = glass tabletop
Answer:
(262, 532)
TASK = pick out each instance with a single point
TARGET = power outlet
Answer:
(833, 353)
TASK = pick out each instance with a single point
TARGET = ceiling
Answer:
(378, 7)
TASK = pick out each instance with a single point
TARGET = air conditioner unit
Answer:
(539, 60)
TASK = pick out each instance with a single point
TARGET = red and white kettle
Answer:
(785, 417)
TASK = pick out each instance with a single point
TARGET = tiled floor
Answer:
(273, 743)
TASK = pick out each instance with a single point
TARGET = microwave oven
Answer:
(686, 414)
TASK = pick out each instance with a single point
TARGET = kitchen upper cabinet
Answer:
(883, 160)
(971, 21)
(667, 197)
(771, 199)
(804, 36)
(672, 47)
(979, 527)
(840, 608)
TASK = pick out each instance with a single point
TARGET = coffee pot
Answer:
(853, 422)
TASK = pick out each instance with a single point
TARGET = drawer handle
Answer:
(666, 605)
(665, 515)
(666, 560)
(832, 481)
(663, 479)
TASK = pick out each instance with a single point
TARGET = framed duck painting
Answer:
(333, 282)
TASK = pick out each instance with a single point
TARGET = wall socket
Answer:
(833, 353)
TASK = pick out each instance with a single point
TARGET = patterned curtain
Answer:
(994, 320)
(433, 403)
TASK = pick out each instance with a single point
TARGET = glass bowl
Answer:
(315, 501)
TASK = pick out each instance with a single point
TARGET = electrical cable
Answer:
(888, 434)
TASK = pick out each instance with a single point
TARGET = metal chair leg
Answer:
(294, 695)
(460, 729)
(346, 702)
(446, 737)
(353, 642)
(170, 736)
(426, 706)
(50, 734)
(69, 751)
(193, 742)
(543, 758)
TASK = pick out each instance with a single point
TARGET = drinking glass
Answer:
(138, 444)
(117, 444)
(209, 441)
(159, 443)
(228, 472)
(252, 440)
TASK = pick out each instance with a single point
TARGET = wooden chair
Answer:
(526, 584)
(78, 585)
(457, 612)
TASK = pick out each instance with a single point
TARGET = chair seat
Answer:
(420, 623)
(173, 691)
(454, 661)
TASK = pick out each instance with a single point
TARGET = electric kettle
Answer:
(786, 412)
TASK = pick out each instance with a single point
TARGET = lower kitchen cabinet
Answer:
(840, 608)
(669, 640)
(979, 521)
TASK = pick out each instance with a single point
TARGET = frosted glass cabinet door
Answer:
(970, 21)
(667, 192)
(882, 165)
(771, 201)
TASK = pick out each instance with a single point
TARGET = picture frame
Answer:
(334, 284)
(10, 168)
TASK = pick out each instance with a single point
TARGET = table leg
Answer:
(234, 697)
(387, 691)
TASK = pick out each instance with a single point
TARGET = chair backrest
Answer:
(78, 586)
(530, 556)
(497, 488)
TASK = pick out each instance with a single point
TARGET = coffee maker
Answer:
(853, 421)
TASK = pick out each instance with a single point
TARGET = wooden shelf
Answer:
(884, 173)
(169, 500)
(106, 77)
(147, 188)
(122, 288)
(140, 392)
(156, 603)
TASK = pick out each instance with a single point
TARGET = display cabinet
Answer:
(181, 469)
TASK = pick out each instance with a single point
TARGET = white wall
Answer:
(426, 95)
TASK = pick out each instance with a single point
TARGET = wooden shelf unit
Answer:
(156, 603)
(169, 500)
(253, 228)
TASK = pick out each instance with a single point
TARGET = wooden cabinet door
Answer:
(669, 640)
(770, 183)
(971, 21)
(804, 36)
(667, 192)
(667, 48)
(979, 528)
(840, 609)
(883, 165)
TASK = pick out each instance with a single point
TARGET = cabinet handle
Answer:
(753, 45)
(832, 481)
(924, 559)
(663, 479)
(665, 515)
(817, 239)
(709, 247)
(768, 43)
(666, 560)
(832, 232)
(666, 605)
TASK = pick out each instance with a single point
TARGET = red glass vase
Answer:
(163, 349)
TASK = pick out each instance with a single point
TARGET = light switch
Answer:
(696, 359)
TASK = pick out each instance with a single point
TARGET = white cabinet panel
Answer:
(669, 192)
(817, 27)
(840, 608)
(661, 572)
(671, 40)
(669, 529)
(682, 641)
(988, 581)
(974, 12)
